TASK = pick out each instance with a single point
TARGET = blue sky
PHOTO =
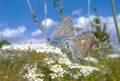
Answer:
(15, 16)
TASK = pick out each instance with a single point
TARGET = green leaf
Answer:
(61, 13)
(54, 3)
(4, 42)
(42, 28)
(36, 20)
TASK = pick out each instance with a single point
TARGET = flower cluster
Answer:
(38, 47)
(48, 61)
(113, 56)
(55, 62)
(64, 60)
(84, 70)
(87, 70)
(57, 71)
(32, 74)
(91, 59)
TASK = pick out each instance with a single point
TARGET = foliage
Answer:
(102, 39)
(12, 69)
(3, 42)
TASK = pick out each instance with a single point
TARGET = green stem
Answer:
(115, 20)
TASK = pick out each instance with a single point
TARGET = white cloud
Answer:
(49, 22)
(32, 40)
(10, 33)
(77, 12)
(84, 21)
(36, 33)
(110, 24)
(81, 22)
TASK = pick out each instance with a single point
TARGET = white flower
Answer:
(85, 70)
(49, 61)
(38, 79)
(113, 56)
(91, 59)
(64, 60)
(57, 70)
(38, 47)
(32, 74)
(53, 75)
(74, 65)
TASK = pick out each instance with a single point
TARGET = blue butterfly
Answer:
(64, 35)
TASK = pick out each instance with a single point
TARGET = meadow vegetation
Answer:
(15, 66)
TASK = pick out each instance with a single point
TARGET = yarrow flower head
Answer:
(57, 70)
(32, 74)
(49, 61)
(64, 60)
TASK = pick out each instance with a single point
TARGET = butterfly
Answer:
(64, 32)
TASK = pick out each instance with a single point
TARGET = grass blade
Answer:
(115, 20)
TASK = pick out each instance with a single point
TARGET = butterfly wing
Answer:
(84, 42)
(64, 29)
